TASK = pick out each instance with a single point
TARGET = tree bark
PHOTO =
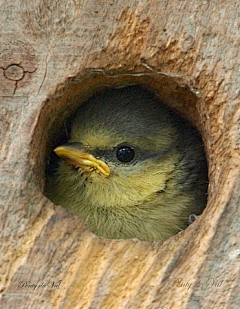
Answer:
(53, 55)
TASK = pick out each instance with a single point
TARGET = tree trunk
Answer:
(53, 55)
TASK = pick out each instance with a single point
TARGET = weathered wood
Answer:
(53, 54)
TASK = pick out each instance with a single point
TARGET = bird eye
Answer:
(125, 154)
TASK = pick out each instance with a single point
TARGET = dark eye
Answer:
(125, 154)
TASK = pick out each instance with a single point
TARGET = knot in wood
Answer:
(14, 72)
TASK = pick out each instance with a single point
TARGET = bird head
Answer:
(131, 167)
(121, 149)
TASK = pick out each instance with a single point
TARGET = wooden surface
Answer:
(53, 54)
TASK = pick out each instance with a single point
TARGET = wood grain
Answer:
(188, 53)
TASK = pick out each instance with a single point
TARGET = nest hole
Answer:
(54, 125)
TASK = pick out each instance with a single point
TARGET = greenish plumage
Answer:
(150, 197)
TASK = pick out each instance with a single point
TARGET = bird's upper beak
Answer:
(74, 154)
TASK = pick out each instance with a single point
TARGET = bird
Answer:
(131, 168)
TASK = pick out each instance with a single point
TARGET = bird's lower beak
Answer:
(76, 156)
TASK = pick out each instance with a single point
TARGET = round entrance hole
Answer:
(122, 158)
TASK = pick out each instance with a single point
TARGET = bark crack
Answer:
(45, 73)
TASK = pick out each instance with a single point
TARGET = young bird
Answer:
(132, 168)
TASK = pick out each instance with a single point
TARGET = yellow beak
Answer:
(79, 158)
